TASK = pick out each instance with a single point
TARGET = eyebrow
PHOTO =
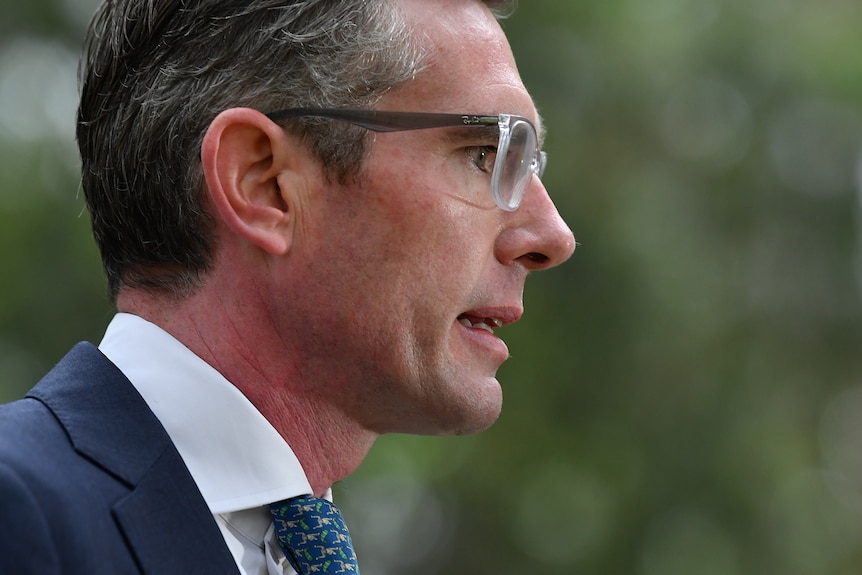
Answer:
(540, 130)
(474, 133)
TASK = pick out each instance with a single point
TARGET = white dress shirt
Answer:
(239, 461)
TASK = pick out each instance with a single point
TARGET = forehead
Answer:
(469, 63)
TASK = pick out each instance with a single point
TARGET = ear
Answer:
(245, 157)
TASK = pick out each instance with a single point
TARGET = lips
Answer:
(489, 324)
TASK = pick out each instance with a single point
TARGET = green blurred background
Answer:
(685, 395)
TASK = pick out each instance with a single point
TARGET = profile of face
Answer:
(410, 270)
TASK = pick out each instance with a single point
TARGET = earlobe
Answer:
(243, 155)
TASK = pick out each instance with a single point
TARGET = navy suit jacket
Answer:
(91, 484)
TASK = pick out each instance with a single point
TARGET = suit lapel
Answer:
(188, 539)
(164, 519)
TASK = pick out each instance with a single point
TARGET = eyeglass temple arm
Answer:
(383, 121)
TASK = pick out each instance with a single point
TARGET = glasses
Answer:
(517, 156)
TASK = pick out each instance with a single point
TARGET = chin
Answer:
(475, 414)
(463, 418)
(449, 406)
(476, 427)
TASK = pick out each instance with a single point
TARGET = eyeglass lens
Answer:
(517, 166)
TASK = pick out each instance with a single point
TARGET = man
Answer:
(294, 275)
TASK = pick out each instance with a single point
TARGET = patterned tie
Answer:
(313, 536)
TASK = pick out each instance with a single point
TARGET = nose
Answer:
(536, 235)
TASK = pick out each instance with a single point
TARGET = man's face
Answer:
(412, 270)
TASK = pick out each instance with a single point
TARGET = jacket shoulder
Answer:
(103, 489)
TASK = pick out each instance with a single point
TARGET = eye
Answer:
(483, 156)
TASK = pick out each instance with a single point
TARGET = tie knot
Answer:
(313, 536)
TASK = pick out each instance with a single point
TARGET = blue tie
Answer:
(313, 536)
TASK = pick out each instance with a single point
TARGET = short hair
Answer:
(155, 73)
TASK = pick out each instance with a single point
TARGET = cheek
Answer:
(406, 233)
(422, 172)
(430, 241)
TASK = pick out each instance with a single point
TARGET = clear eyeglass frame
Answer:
(518, 156)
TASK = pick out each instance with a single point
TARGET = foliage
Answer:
(684, 395)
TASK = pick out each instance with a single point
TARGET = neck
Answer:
(328, 443)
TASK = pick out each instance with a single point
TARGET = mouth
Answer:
(489, 324)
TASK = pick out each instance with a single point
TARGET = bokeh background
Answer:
(685, 395)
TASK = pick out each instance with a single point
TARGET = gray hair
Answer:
(154, 75)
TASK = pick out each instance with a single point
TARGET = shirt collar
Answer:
(235, 456)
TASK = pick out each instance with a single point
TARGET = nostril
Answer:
(538, 258)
